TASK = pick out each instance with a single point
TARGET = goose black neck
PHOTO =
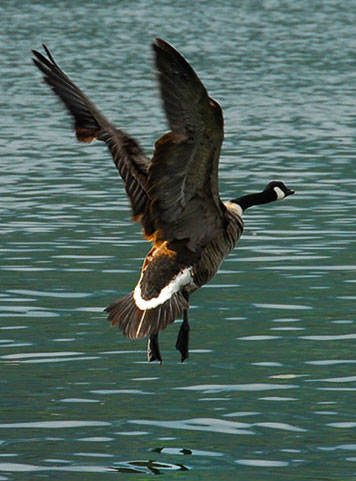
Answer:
(249, 200)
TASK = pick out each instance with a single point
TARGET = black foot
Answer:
(153, 352)
(182, 343)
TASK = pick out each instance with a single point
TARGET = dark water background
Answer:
(269, 391)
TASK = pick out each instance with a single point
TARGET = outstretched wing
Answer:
(90, 124)
(183, 175)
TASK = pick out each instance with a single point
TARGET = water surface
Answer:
(269, 389)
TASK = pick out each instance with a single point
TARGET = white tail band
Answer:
(183, 278)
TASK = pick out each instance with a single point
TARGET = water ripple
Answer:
(343, 425)
(258, 338)
(334, 379)
(215, 388)
(292, 307)
(45, 357)
(262, 463)
(282, 426)
(79, 400)
(200, 424)
(23, 468)
(120, 391)
(328, 337)
(57, 294)
(39, 354)
(52, 424)
(331, 362)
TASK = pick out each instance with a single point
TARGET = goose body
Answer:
(174, 195)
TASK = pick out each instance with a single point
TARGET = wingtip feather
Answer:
(160, 44)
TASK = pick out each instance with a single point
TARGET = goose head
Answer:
(279, 188)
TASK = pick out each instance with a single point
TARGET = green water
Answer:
(269, 390)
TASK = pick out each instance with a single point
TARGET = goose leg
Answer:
(153, 352)
(182, 343)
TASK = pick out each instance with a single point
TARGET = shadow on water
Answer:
(149, 467)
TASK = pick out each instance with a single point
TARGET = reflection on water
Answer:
(269, 388)
(149, 467)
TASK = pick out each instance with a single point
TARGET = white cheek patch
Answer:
(183, 278)
(279, 192)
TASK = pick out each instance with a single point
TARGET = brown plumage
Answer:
(174, 195)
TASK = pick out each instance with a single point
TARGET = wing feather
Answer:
(183, 174)
(91, 124)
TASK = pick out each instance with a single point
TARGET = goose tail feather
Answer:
(136, 323)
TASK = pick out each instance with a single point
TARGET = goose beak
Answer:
(290, 192)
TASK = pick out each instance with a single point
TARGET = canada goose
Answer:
(174, 195)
